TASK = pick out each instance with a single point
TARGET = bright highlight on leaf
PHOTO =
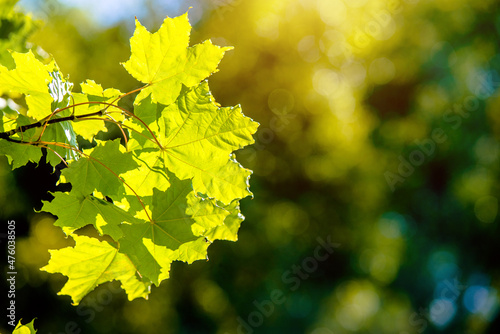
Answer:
(164, 191)
(32, 78)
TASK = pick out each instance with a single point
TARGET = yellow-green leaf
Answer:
(92, 262)
(32, 78)
(198, 139)
(165, 62)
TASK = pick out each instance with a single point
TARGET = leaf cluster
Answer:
(164, 195)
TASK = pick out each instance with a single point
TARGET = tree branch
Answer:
(6, 135)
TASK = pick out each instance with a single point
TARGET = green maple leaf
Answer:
(101, 169)
(177, 214)
(197, 139)
(92, 262)
(75, 210)
(164, 61)
(179, 221)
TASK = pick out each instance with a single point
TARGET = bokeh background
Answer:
(380, 130)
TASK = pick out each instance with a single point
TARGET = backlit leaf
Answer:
(100, 169)
(92, 262)
(164, 61)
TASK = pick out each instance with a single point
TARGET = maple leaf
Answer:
(171, 235)
(100, 169)
(164, 61)
(197, 139)
(92, 262)
(75, 210)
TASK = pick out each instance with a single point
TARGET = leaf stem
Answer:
(146, 126)
(131, 92)
(122, 125)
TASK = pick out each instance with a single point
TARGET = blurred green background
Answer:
(380, 130)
